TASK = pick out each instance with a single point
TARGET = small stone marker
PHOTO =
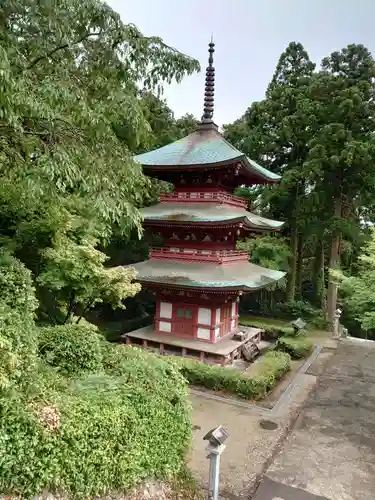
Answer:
(298, 325)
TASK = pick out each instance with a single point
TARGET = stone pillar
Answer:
(336, 324)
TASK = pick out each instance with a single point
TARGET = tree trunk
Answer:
(299, 267)
(70, 308)
(319, 276)
(291, 287)
(322, 290)
(334, 262)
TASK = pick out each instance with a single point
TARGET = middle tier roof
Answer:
(244, 276)
(206, 214)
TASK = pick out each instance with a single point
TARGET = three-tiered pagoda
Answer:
(198, 275)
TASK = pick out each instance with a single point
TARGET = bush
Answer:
(18, 346)
(16, 286)
(71, 348)
(297, 347)
(298, 308)
(272, 331)
(100, 435)
(271, 367)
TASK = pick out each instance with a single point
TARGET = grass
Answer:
(279, 324)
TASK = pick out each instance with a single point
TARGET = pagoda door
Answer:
(226, 320)
(183, 323)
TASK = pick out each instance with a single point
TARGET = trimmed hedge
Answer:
(272, 330)
(296, 347)
(270, 368)
(96, 435)
(72, 349)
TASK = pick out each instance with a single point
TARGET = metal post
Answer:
(213, 454)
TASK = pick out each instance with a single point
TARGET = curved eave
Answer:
(200, 150)
(238, 222)
(209, 285)
(254, 174)
(244, 276)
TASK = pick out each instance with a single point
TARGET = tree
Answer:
(276, 131)
(356, 291)
(342, 147)
(69, 72)
(75, 274)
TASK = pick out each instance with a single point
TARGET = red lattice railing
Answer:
(204, 197)
(195, 255)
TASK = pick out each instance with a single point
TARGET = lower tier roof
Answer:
(206, 213)
(243, 276)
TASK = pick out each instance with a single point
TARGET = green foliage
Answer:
(18, 343)
(16, 286)
(355, 291)
(75, 273)
(267, 251)
(17, 332)
(296, 347)
(164, 128)
(101, 435)
(270, 368)
(70, 72)
(296, 309)
(273, 330)
(72, 349)
(316, 129)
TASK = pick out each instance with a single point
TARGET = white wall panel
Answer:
(164, 326)
(203, 333)
(165, 310)
(204, 316)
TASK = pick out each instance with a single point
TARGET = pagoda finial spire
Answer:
(209, 90)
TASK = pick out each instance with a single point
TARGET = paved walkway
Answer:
(251, 446)
(331, 450)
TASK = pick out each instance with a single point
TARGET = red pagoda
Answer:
(198, 275)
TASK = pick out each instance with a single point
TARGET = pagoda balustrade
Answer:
(192, 254)
(204, 197)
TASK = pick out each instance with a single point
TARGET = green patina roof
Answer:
(243, 276)
(207, 212)
(203, 147)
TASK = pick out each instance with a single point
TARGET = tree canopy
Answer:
(71, 73)
(316, 129)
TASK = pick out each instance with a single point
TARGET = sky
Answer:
(249, 35)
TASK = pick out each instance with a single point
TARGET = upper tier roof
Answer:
(243, 276)
(205, 147)
(207, 213)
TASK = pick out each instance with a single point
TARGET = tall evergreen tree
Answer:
(276, 131)
(342, 149)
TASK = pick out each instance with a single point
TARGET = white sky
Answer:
(250, 36)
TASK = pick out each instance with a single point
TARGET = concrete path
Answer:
(255, 432)
(331, 451)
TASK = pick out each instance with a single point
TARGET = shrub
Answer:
(16, 286)
(296, 309)
(297, 347)
(101, 435)
(72, 348)
(271, 330)
(271, 367)
(18, 346)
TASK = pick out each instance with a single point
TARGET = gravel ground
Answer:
(249, 447)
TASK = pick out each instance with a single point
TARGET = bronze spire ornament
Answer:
(209, 91)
